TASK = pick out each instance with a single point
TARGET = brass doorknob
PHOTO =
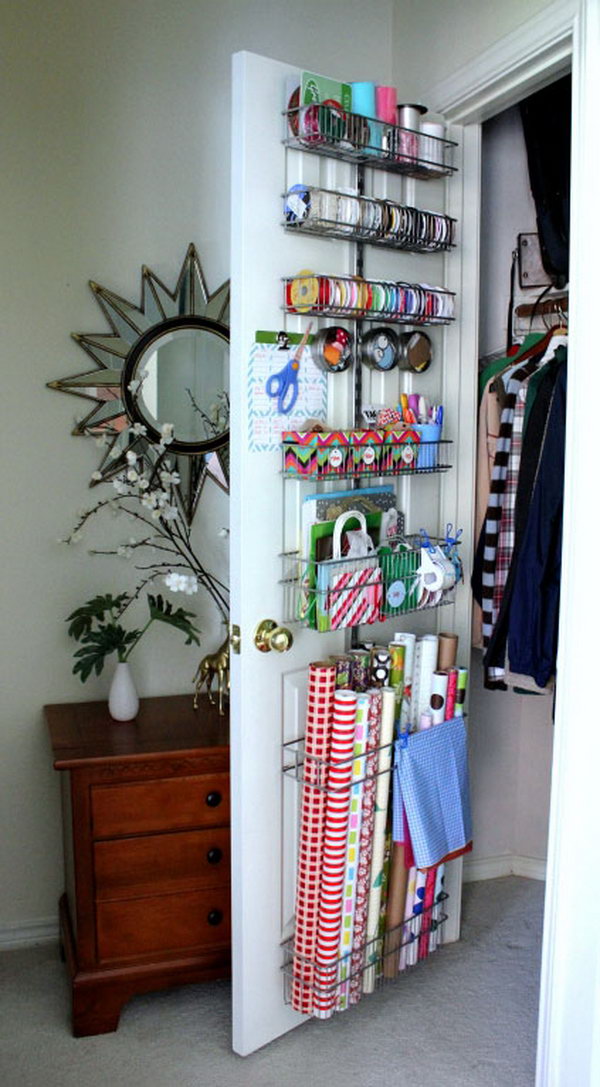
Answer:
(268, 636)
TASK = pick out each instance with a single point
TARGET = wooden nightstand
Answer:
(146, 834)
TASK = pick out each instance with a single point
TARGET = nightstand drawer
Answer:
(164, 925)
(161, 863)
(169, 804)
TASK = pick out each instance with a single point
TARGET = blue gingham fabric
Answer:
(431, 781)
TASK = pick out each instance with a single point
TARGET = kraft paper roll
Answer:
(382, 792)
(363, 881)
(409, 642)
(335, 833)
(448, 648)
(451, 695)
(461, 691)
(352, 849)
(395, 911)
(321, 688)
(437, 702)
(425, 664)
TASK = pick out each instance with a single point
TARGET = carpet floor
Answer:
(466, 1017)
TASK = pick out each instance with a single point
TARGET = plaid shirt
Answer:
(506, 532)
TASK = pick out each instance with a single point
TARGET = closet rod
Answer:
(556, 304)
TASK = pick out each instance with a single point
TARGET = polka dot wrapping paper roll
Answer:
(321, 690)
(337, 811)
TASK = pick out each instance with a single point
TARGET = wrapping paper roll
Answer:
(428, 906)
(451, 694)
(398, 657)
(461, 691)
(382, 793)
(321, 688)
(448, 648)
(395, 911)
(343, 672)
(412, 951)
(437, 701)
(425, 663)
(360, 670)
(335, 833)
(352, 849)
(366, 847)
(411, 884)
(435, 938)
(409, 642)
(381, 663)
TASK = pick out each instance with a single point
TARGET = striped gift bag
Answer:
(337, 811)
(349, 590)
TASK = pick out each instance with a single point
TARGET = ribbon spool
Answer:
(303, 291)
(380, 349)
(331, 349)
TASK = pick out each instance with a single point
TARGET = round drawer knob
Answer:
(214, 855)
(214, 799)
(215, 917)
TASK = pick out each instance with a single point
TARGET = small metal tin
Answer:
(414, 352)
(379, 349)
(331, 349)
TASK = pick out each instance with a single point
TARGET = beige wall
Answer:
(115, 153)
(115, 137)
(434, 38)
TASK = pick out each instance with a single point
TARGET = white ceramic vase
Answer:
(123, 702)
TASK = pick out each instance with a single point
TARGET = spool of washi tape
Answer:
(297, 203)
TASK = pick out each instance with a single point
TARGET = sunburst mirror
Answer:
(160, 375)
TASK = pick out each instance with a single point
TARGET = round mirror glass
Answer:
(181, 378)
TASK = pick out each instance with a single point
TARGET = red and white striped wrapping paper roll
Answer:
(321, 689)
(428, 904)
(363, 877)
(337, 810)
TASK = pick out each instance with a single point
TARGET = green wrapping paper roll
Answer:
(461, 692)
(398, 653)
(381, 809)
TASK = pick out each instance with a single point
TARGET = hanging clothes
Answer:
(533, 624)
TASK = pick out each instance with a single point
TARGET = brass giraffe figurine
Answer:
(214, 664)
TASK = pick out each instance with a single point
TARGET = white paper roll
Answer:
(425, 665)
(437, 702)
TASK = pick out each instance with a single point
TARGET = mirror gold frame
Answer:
(115, 420)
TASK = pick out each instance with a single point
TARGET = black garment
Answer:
(533, 624)
(546, 117)
(533, 443)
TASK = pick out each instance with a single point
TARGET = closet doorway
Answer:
(505, 74)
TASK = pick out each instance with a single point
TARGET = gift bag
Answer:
(349, 590)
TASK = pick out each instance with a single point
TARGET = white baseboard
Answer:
(507, 864)
(28, 934)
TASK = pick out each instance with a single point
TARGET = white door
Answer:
(268, 689)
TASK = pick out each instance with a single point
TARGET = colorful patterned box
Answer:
(349, 452)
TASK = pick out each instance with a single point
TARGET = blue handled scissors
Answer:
(284, 384)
